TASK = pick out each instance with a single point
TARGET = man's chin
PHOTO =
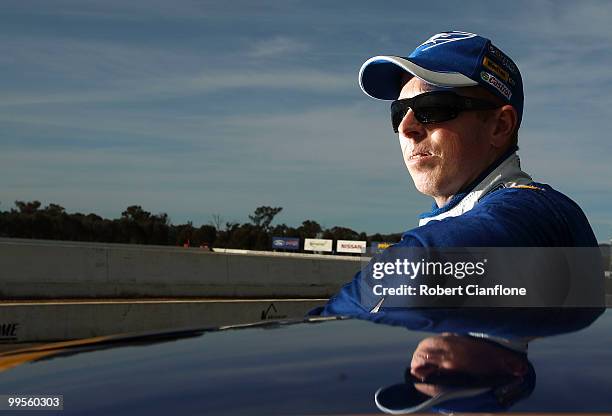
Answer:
(424, 186)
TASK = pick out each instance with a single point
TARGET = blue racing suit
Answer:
(504, 207)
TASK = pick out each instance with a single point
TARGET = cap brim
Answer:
(380, 76)
(404, 398)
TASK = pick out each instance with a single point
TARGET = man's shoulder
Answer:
(532, 200)
(525, 215)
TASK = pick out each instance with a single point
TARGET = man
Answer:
(478, 362)
(457, 107)
(452, 373)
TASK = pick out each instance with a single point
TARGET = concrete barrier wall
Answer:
(40, 269)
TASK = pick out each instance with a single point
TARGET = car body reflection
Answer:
(317, 366)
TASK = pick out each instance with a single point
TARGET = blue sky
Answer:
(217, 107)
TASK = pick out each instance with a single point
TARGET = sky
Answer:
(197, 108)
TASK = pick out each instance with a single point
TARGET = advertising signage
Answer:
(317, 244)
(379, 247)
(285, 243)
(349, 246)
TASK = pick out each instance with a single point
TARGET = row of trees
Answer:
(137, 226)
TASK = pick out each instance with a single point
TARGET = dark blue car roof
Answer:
(327, 367)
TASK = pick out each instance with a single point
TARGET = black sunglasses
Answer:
(435, 107)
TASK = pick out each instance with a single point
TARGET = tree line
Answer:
(137, 226)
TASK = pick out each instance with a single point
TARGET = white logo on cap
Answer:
(446, 37)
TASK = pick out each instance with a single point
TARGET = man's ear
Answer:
(504, 125)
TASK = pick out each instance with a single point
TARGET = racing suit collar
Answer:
(503, 173)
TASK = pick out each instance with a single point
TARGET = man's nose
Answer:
(411, 128)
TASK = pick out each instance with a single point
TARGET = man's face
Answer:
(459, 353)
(450, 352)
(443, 157)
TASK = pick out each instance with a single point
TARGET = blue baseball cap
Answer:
(447, 59)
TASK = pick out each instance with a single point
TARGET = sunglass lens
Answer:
(424, 114)
(398, 112)
(435, 114)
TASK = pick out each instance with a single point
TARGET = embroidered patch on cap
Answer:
(496, 83)
(497, 70)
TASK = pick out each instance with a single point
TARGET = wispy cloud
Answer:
(279, 45)
(177, 86)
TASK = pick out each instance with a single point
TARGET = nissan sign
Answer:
(349, 246)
